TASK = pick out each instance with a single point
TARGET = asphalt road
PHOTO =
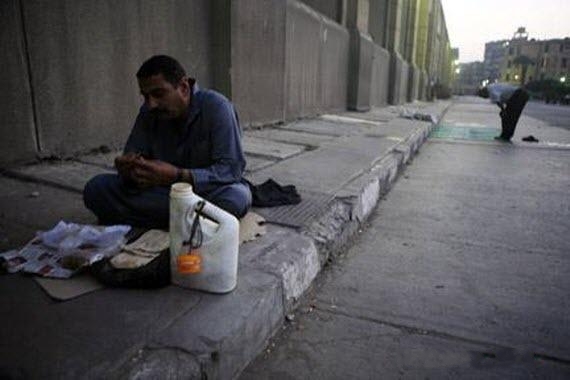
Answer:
(461, 273)
(555, 115)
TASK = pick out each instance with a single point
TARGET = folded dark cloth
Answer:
(271, 194)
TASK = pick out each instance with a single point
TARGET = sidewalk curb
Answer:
(293, 259)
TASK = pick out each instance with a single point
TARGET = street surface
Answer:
(462, 272)
(550, 113)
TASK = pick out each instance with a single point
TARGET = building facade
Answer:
(525, 60)
(493, 60)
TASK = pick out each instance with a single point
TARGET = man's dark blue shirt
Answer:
(207, 141)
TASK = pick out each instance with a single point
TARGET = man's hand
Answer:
(148, 173)
(125, 164)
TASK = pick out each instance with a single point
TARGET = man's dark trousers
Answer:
(114, 201)
(512, 112)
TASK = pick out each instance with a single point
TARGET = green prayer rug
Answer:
(464, 132)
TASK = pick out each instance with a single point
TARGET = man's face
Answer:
(164, 99)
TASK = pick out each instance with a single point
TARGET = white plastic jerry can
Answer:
(212, 267)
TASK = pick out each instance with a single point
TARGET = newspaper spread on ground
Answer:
(65, 249)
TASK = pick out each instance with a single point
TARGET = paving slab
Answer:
(29, 207)
(263, 147)
(327, 169)
(106, 160)
(65, 174)
(254, 163)
(379, 114)
(353, 119)
(293, 137)
(327, 128)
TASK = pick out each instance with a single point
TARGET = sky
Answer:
(471, 23)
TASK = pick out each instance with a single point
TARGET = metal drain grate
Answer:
(312, 205)
(458, 132)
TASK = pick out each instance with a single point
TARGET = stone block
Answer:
(380, 77)
(360, 71)
(258, 60)
(303, 44)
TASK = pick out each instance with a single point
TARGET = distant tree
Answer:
(550, 90)
(524, 62)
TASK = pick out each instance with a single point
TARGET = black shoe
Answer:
(502, 139)
(530, 138)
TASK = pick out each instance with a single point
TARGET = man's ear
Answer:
(184, 85)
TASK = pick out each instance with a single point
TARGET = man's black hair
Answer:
(170, 68)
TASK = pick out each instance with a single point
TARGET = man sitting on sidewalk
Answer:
(511, 100)
(181, 134)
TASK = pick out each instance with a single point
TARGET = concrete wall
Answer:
(360, 71)
(84, 55)
(316, 62)
(413, 83)
(17, 133)
(423, 85)
(330, 8)
(334, 66)
(399, 76)
(377, 21)
(258, 60)
(70, 81)
(298, 68)
(380, 77)
(303, 38)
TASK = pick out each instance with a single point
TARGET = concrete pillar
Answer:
(421, 50)
(377, 21)
(394, 23)
(258, 35)
(361, 55)
(221, 39)
(411, 45)
(377, 25)
(17, 128)
(398, 66)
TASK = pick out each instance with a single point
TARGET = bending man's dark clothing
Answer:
(207, 142)
(511, 113)
(512, 100)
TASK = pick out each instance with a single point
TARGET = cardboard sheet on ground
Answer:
(251, 227)
(66, 289)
